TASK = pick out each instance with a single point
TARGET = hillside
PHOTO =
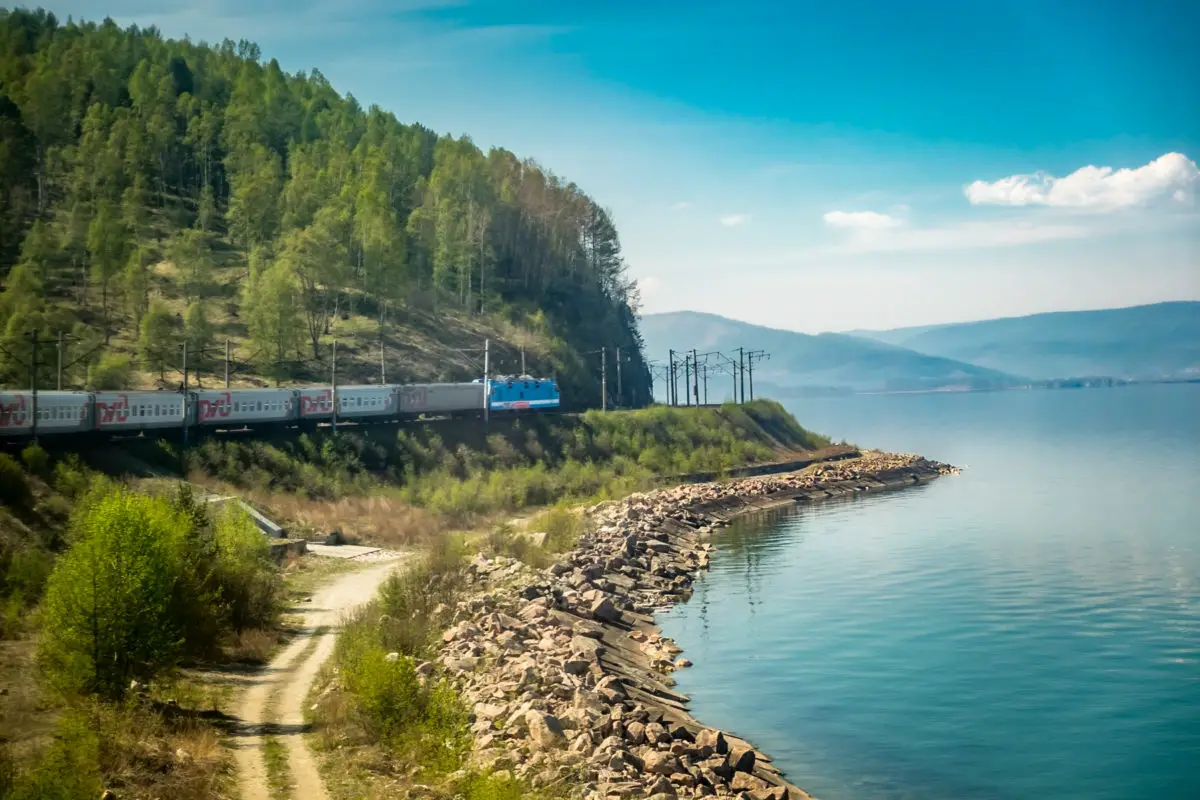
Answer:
(155, 192)
(1141, 342)
(829, 361)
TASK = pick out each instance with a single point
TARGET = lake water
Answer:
(1027, 629)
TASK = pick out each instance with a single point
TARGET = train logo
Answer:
(211, 409)
(14, 413)
(108, 413)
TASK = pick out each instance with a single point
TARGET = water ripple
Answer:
(1018, 631)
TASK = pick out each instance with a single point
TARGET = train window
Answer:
(260, 405)
(537, 384)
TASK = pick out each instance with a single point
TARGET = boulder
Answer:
(660, 763)
(741, 758)
(603, 609)
(545, 729)
(745, 782)
(710, 737)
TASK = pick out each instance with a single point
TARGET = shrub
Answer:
(36, 459)
(66, 770)
(15, 490)
(248, 583)
(71, 477)
(110, 373)
(109, 600)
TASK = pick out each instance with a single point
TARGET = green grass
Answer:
(279, 776)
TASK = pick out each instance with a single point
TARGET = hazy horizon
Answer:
(898, 327)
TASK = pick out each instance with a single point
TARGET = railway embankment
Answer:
(569, 679)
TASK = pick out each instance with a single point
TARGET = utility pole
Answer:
(687, 379)
(751, 357)
(185, 394)
(603, 380)
(695, 377)
(333, 385)
(487, 393)
(382, 363)
(705, 383)
(33, 382)
(620, 396)
(742, 372)
(671, 378)
(227, 363)
(523, 372)
(62, 343)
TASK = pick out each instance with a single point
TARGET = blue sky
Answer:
(814, 166)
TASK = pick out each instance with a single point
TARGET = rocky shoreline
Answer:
(566, 674)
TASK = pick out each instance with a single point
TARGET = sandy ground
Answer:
(274, 701)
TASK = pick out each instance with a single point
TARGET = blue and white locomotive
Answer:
(521, 393)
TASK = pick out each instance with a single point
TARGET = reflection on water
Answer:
(1030, 628)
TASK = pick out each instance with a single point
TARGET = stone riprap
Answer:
(569, 679)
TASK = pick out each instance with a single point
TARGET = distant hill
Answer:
(1141, 342)
(801, 363)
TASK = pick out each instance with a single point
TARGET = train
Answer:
(77, 413)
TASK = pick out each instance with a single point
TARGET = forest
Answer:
(157, 193)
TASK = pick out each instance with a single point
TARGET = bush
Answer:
(248, 583)
(67, 770)
(36, 459)
(110, 373)
(71, 477)
(15, 490)
(109, 600)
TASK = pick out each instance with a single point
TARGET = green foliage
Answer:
(15, 490)
(145, 581)
(249, 586)
(112, 372)
(157, 343)
(109, 599)
(69, 769)
(36, 459)
(136, 166)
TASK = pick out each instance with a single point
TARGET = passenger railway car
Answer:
(440, 398)
(137, 412)
(57, 412)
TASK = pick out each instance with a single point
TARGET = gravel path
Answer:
(274, 702)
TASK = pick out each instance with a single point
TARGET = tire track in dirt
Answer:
(274, 702)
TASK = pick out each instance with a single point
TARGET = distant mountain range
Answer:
(1160, 341)
(1138, 343)
(802, 363)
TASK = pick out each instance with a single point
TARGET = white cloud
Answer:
(1091, 187)
(733, 220)
(682, 204)
(861, 220)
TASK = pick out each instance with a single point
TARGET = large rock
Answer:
(745, 782)
(710, 737)
(603, 609)
(741, 758)
(660, 763)
(545, 729)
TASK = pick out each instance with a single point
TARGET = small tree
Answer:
(198, 332)
(110, 373)
(159, 338)
(108, 601)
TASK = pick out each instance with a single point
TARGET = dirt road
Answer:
(274, 702)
